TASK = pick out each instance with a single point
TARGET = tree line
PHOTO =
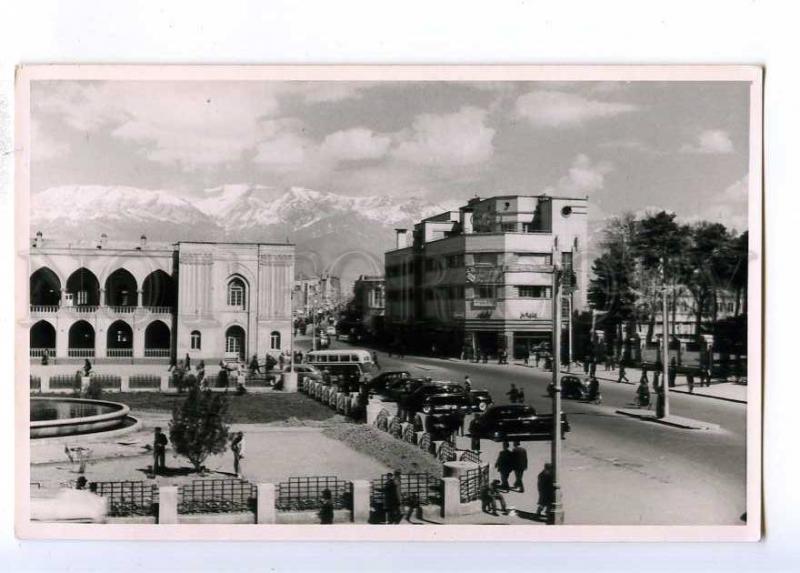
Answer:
(639, 256)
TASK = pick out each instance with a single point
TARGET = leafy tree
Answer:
(707, 268)
(740, 259)
(197, 428)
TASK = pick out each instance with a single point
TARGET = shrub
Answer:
(94, 390)
(197, 428)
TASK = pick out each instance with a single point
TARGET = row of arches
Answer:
(121, 288)
(119, 336)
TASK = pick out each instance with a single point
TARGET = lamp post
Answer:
(663, 412)
(555, 513)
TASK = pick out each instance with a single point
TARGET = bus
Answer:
(346, 367)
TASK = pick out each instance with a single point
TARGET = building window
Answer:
(236, 291)
(195, 340)
(233, 344)
(275, 340)
(528, 291)
(485, 291)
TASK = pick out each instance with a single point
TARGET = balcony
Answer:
(119, 352)
(80, 352)
(156, 352)
(38, 309)
(44, 308)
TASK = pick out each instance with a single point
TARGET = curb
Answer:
(650, 417)
(723, 398)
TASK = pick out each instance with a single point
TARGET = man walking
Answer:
(160, 442)
(391, 499)
(504, 465)
(546, 491)
(520, 458)
(475, 439)
(513, 394)
(375, 360)
(622, 376)
(592, 367)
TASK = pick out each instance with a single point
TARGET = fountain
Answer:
(54, 417)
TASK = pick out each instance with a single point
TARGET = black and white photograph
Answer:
(389, 301)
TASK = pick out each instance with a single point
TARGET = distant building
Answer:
(480, 278)
(369, 303)
(117, 300)
(316, 293)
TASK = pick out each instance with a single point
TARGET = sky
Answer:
(628, 146)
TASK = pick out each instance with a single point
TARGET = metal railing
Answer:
(39, 352)
(44, 308)
(108, 381)
(305, 493)
(157, 352)
(83, 308)
(120, 309)
(36, 383)
(472, 482)
(119, 352)
(217, 496)
(470, 456)
(80, 352)
(158, 309)
(64, 382)
(415, 489)
(447, 452)
(127, 498)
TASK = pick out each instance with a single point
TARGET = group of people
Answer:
(395, 506)
(516, 461)
(161, 441)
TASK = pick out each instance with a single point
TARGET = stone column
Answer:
(168, 504)
(265, 504)
(361, 491)
(102, 297)
(452, 497)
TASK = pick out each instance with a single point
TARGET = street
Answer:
(619, 470)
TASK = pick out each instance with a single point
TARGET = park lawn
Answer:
(245, 409)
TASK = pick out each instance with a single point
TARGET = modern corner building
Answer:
(144, 300)
(479, 279)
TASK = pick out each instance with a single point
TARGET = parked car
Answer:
(379, 384)
(440, 414)
(420, 399)
(480, 400)
(516, 422)
(399, 389)
(572, 387)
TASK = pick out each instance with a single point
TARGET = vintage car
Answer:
(480, 400)
(379, 384)
(421, 398)
(440, 414)
(516, 422)
(572, 387)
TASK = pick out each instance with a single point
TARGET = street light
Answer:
(555, 513)
(663, 411)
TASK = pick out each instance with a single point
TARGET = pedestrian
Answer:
(592, 367)
(391, 498)
(375, 360)
(544, 484)
(201, 373)
(87, 367)
(222, 377)
(594, 389)
(657, 376)
(586, 365)
(45, 357)
(513, 394)
(254, 367)
(160, 442)
(526, 356)
(673, 371)
(690, 382)
(621, 375)
(281, 361)
(326, 508)
(537, 357)
(504, 465)
(188, 361)
(643, 395)
(237, 447)
(707, 376)
(490, 496)
(475, 439)
(644, 379)
(520, 459)
(173, 363)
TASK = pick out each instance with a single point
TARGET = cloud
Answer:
(711, 142)
(460, 138)
(327, 92)
(544, 108)
(355, 144)
(43, 145)
(728, 206)
(583, 177)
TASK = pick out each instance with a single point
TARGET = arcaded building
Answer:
(139, 301)
(479, 279)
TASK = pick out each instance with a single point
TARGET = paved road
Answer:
(678, 476)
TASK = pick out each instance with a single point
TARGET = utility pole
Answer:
(664, 342)
(555, 513)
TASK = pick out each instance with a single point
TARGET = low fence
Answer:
(144, 382)
(305, 493)
(108, 381)
(472, 482)
(217, 496)
(36, 383)
(128, 498)
(415, 489)
(64, 382)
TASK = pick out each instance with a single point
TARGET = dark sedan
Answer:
(516, 422)
(480, 400)
(380, 383)
(572, 388)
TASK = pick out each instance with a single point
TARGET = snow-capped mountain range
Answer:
(324, 226)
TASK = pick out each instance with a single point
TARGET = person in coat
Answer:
(504, 465)
(326, 508)
(237, 447)
(520, 461)
(546, 489)
(391, 499)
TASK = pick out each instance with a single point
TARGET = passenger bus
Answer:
(346, 368)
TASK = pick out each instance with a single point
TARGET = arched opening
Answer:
(275, 340)
(196, 340)
(43, 338)
(234, 342)
(45, 288)
(119, 340)
(83, 288)
(121, 290)
(157, 340)
(81, 340)
(237, 293)
(158, 290)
